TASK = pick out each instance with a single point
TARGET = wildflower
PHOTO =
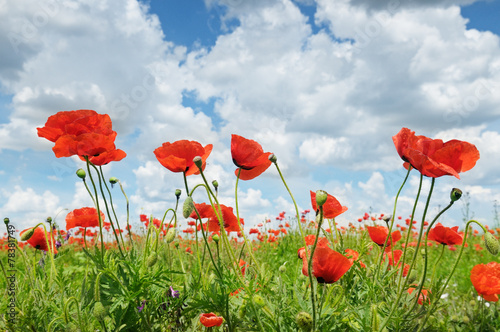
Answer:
(432, 157)
(141, 307)
(84, 133)
(328, 266)
(353, 256)
(211, 320)
(422, 297)
(39, 239)
(249, 157)
(331, 209)
(486, 280)
(178, 156)
(173, 293)
(84, 217)
(445, 235)
(378, 234)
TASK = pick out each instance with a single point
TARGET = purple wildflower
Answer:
(173, 293)
(141, 308)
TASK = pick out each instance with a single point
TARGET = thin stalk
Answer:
(309, 267)
(96, 202)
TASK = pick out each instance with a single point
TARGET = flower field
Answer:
(300, 271)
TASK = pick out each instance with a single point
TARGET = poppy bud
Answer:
(491, 243)
(242, 311)
(28, 234)
(49, 219)
(304, 321)
(152, 259)
(216, 238)
(170, 235)
(465, 319)
(282, 268)
(258, 300)
(455, 194)
(176, 245)
(113, 180)
(198, 162)
(272, 157)
(178, 193)
(387, 218)
(187, 207)
(81, 173)
(215, 184)
(321, 197)
(99, 311)
(6, 221)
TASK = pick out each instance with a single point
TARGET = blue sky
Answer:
(323, 84)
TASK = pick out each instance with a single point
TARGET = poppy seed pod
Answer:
(321, 197)
(491, 243)
(215, 184)
(304, 321)
(455, 194)
(187, 207)
(81, 173)
(178, 193)
(28, 234)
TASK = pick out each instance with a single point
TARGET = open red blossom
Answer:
(353, 256)
(328, 266)
(433, 157)
(378, 234)
(249, 157)
(211, 320)
(39, 240)
(82, 133)
(178, 156)
(84, 217)
(322, 241)
(331, 209)
(445, 235)
(424, 295)
(486, 280)
(228, 217)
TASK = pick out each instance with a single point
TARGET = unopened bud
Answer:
(6, 221)
(258, 300)
(304, 321)
(387, 218)
(176, 244)
(272, 157)
(491, 243)
(152, 259)
(49, 219)
(455, 194)
(81, 173)
(321, 197)
(170, 235)
(113, 180)
(198, 162)
(465, 319)
(282, 268)
(187, 207)
(215, 184)
(27, 234)
(216, 238)
(178, 193)
(99, 311)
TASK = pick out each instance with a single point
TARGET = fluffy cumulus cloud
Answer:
(324, 93)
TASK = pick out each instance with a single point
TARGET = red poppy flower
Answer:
(353, 256)
(486, 280)
(82, 133)
(228, 217)
(423, 295)
(432, 157)
(178, 156)
(39, 240)
(248, 156)
(378, 234)
(328, 266)
(211, 320)
(445, 235)
(322, 241)
(84, 217)
(106, 157)
(331, 209)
